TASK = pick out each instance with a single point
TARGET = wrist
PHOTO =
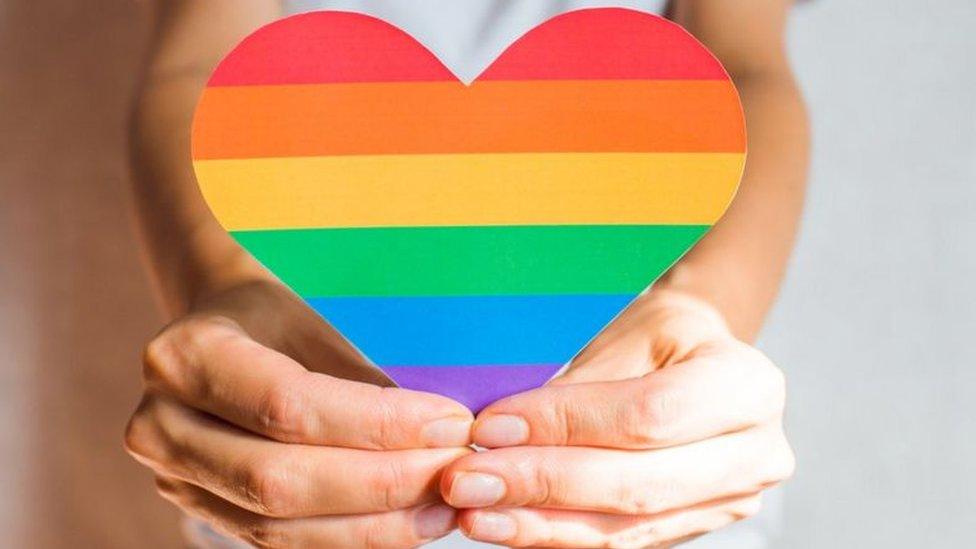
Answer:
(674, 314)
(204, 263)
(721, 288)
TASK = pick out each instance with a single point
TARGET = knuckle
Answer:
(166, 357)
(547, 487)
(375, 534)
(203, 329)
(386, 485)
(388, 424)
(652, 423)
(267, 485)
(136, 436)
(282, 412)
(140, 438)
(642, 499)
(267, 534)
(164, 486)
(644, 536)
(196, 333)
(168, 494)
(747, 508)
(560, 416)
(172, 492)
(162, 361)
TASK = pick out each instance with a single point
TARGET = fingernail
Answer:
(445, 433)
(434, 521)
(476, 490)
(502, 430)
(493, 527)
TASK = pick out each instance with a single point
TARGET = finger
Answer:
(281, 480)
(212, 365)
(723, 388)
(395, 529)
(620, 481)
(530, 527)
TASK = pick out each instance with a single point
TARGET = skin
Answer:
(258, 418)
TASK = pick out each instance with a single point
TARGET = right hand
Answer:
(250, 421)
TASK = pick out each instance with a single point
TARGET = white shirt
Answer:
(467, 35)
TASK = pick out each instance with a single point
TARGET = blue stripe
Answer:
(453, 331)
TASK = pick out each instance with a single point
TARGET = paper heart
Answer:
(469, 240)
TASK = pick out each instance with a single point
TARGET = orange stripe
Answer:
(486, 117)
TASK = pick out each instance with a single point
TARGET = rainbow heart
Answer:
(469, 240)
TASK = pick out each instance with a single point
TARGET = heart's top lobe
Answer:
(469, 239)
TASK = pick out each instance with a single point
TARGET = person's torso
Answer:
(466, 35)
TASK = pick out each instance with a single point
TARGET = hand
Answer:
(664, 428)
(273, 447)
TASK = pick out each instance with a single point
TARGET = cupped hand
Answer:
(666, 427)
(251, 420)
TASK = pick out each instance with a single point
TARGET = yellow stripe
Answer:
(470, 189)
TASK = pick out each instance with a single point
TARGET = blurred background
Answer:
(875, 327)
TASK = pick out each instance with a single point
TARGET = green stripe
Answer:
(441, 261)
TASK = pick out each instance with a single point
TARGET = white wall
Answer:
(877, 323)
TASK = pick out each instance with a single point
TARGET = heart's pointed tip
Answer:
(474, 386)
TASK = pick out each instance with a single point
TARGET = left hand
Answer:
(666, 427)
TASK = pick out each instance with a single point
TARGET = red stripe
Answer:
(592, 44)
(606, 43)
(325, 47)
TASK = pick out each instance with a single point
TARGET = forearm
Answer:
(189, 254)
(739, 265)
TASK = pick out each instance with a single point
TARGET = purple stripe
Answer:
(473, 386)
